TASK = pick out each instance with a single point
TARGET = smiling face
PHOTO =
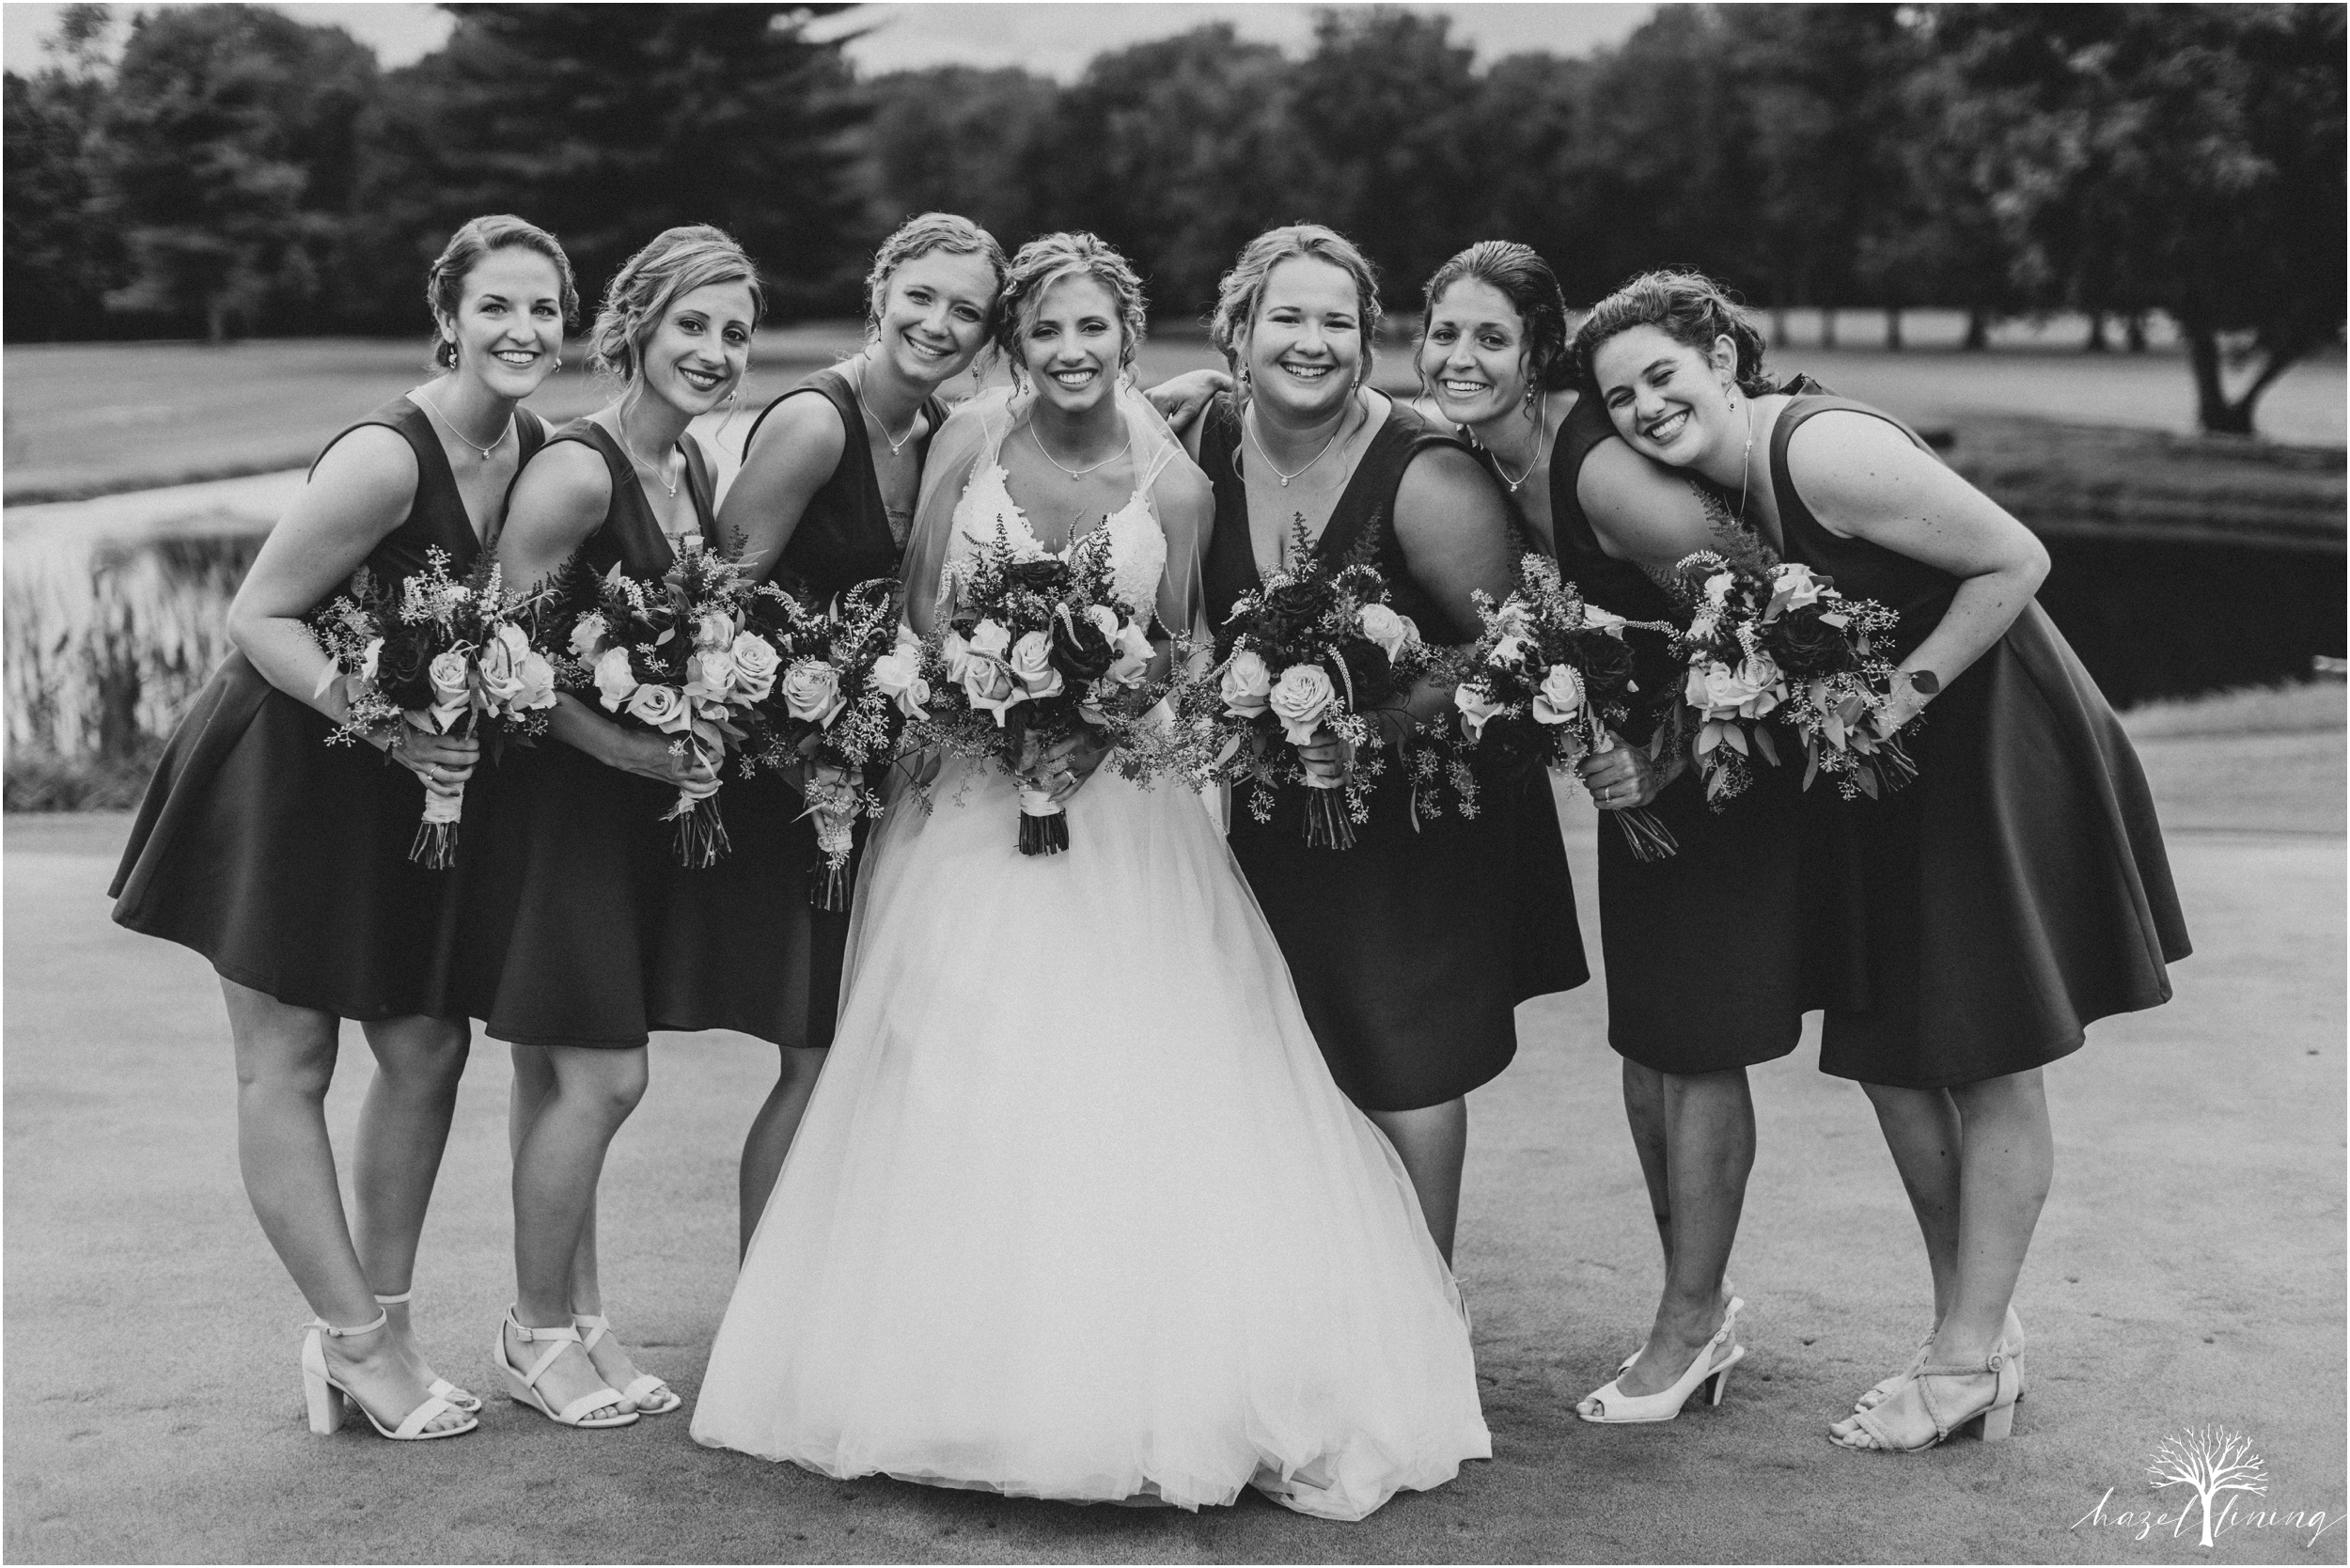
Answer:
(1473, 353)
(1304, 351)
(1072, 342)
(699, 353)
(1668, 400)
(935, 312)
(509, 326)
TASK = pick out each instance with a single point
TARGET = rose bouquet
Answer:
(1770, 641)
(1041, 649)
(1550, 680)
(852, 680)
(1316, 648)
(672, 656)
(448, 657)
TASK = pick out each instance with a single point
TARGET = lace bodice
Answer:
(1137, 544)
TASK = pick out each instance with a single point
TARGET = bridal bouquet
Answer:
(1316, 648)
(1040, 649)
(851, 678)
(673, 656)
(1550, 680)
(448, 656)
(1769, 640)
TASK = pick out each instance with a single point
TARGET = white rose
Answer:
(1560, 697)
(538, 681)
(898, 674)
(1031, 664)
(448, 674)
(1717, 588)
(989, 639)
(660, 707)
(1133, 656)
(756, 663)
(588, 634)
(1792, 587)
(1477, 707)
(714, 629)
(615, 681)
(1246, 685)
(711, 676)
(501, 665)
(1105, 620)
(991, 688)
(1300, 699)
(1767, 681)
(1391, 631)
(811, 693)
(1597, 620)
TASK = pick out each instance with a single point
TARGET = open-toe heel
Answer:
(329, 1402)
(1709, 1370)
(1937, 1404)
(649, 1394)
(522, 1387)
(440, 1386)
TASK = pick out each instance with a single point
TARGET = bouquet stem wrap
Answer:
(702, 833)
(1327, 826)
(435, 848)
(835, 839)
(1043, 823)
(1644, 832)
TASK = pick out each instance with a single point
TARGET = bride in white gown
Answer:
(1076, 1211)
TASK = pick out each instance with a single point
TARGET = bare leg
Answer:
(1709, 1150)
(1644, 1113)
(772, 1131)
(1432, 1141)
(403, 1127)
(1923, 1129)
(557, 1163)
(284, 1062)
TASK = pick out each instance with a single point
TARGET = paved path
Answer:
(2189, 1270)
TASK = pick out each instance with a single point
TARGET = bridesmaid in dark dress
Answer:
(2014, 894)
(1697, 991)
(1411, 949)
(830, 472)
(589, 933)
(284, 860)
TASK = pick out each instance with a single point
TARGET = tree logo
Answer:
(2218, 1469)
(2212, 1461)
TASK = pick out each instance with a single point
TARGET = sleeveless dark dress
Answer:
(284, 860)
(1411, 949)
(1705, 964)
(585, 930)
(2017, 890)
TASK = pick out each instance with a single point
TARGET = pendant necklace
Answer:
(668, 486)
(895, 443)
(450, 425)
(1250, 426)
(1542, 441)
(1076, 474)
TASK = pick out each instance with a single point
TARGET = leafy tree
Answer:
(1178, 153)
(608, 123)
(956, 140)
(226, 153)
(2187, 158)
(58, 261)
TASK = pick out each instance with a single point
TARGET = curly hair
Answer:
(444, 284)
(1043, 263)
(917, 238)
(1687, 307)
(674, 264)
(1525, 279)
(1240, 292)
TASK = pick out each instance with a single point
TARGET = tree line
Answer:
(221, 170)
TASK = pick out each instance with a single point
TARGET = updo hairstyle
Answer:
(444, 285)
(676, 263)
(917, 237)
(1043, 263)
(1689, 307)
(1525, 279)
(1241, 290)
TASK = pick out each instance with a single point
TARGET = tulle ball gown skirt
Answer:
(1076, 1211)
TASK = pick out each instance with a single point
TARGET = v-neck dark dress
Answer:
(1410, 951)
(1705, 958)
(844, 538)
(284, 860)
(586, 930)
(2017, 890)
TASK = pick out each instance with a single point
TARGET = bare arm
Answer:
(1643, 512)
(795, 450)
(559, 499)
(1180, 399)
(361, 491)
(1454, 530)
(1863, 478)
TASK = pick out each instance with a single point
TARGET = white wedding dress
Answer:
(1076, 1210)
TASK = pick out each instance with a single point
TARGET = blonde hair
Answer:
(444, 285)
(917, 238)
(1043, 263)
(676, 263)
(1242, 290)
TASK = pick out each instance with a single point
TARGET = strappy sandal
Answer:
(2011, 1341)
(1937, 1404)
(523, 1388)
(649, 1394)
(330, 1403)
(440, 1386)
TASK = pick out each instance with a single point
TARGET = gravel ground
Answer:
(2189, 1270)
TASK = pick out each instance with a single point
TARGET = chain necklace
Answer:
(1542, 441)
(1076, 474)
(667, 485)
(450, 425)
(1248, 427)
(896, 442)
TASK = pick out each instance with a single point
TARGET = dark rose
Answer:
(1080, 651)
(404, 663)
(1043, 576)
(1808, 648)
(1369, 669)
(1606, 669)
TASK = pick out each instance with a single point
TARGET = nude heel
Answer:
(329, 1402)
(440, 1387)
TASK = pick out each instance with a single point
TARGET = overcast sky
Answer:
(1054, 39)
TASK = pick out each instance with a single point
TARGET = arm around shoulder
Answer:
(1454, 527)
